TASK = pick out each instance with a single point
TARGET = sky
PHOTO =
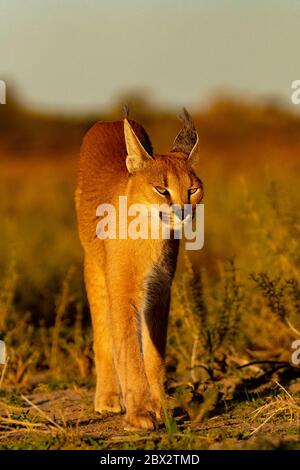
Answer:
(81, 55)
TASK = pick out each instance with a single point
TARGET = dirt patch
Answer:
(65, 419)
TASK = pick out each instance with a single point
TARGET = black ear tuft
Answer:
(186, 118)
(187, 137)
(126, 111)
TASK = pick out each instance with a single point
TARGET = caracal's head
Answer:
(166, 184)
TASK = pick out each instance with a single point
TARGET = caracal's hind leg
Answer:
(108, 394)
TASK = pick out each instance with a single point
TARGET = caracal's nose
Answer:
(183, 212)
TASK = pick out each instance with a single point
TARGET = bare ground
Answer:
(65, 419)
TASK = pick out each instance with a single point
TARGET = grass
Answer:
(234, 315)
(244, 426)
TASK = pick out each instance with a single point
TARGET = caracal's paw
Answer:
(140, 421)
(157, 408)
(108, 403)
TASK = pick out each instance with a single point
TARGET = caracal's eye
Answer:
(162, 191)
(193, 190)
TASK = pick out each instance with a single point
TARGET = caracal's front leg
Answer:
(125, 299)
(155, 325)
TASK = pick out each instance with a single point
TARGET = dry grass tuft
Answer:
(284, 406)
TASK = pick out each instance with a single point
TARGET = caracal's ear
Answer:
(187, 140)
(137, 157)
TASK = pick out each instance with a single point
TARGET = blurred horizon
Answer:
(227, 120)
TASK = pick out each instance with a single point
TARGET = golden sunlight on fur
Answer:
(128, 281)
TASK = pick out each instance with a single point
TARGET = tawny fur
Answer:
(128, 282)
